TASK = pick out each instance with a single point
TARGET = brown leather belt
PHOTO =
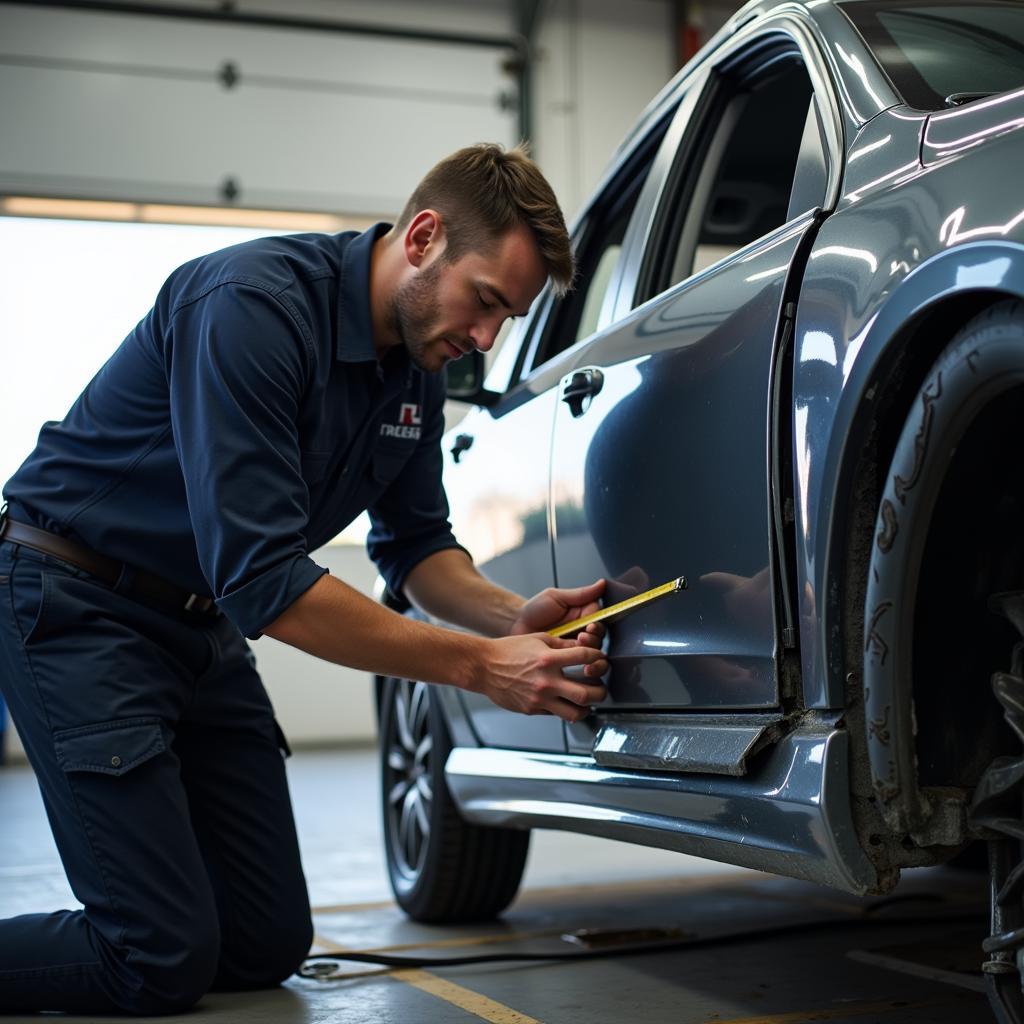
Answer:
(134, 583)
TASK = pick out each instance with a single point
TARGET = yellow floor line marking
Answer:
(464, 998)
(833, 1013)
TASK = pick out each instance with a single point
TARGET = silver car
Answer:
(792, 371)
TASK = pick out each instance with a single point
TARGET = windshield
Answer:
(933, 50)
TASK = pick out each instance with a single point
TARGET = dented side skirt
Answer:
(791, 816)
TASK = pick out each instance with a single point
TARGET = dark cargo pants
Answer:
(160, 765)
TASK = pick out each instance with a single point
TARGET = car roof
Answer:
(750, 11)
(822, 12)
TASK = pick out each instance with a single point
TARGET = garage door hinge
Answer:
(228, 75)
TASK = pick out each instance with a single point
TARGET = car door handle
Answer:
(582, 386)
(463, 442)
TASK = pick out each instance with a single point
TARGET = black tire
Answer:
(967, 410)
(442, 869)
(947, 545)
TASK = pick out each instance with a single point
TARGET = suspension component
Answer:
(998, 808)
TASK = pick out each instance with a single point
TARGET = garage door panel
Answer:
(318, 121)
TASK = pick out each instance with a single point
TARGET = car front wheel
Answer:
(442, 869)
(944, 606)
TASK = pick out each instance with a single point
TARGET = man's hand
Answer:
(552, 607)
(524, 674)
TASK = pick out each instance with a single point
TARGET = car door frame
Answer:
(833, 119)
(720, 742)
(518, 378)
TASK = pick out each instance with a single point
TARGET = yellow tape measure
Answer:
(616, 611)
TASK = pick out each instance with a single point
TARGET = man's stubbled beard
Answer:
(415, 313)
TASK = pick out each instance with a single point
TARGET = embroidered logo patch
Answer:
(410, 418)
(409, 415)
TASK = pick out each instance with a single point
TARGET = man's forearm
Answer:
(448, 586)
(335, 622)
(519, 673)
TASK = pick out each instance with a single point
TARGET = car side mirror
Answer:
(466, 380)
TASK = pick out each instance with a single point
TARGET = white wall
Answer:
(315, 701)
(69, 129)
(599, 62)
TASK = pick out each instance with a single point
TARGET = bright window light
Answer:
(70, 290)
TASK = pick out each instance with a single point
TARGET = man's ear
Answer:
(424, 237)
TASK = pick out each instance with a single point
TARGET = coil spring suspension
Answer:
(998, 808)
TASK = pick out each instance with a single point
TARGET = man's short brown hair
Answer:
(482, 192)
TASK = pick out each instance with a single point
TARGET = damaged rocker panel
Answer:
(711, 744)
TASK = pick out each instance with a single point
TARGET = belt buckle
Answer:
(197, 604)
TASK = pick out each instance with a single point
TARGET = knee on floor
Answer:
(166, 980)
(265, 960)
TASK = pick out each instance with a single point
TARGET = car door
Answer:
(497, 476)
(663, 453)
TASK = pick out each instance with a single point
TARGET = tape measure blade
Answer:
(617, 611)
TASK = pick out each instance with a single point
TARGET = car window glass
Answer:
(811, 178)
(934, 50)
(599, 249)
(757, 154)
(576, 315)
(501, 360)
(596, 291)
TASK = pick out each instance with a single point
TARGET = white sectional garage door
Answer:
(154, 109)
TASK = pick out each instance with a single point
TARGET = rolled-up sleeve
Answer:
(238, 361)
(410, 519)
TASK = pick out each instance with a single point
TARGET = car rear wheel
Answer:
(442, 869)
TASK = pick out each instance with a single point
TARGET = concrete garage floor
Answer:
(907, 962)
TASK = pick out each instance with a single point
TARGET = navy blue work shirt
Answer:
(242, 424)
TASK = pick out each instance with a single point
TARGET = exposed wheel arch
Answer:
(944, 537)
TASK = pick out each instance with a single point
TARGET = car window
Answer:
(599, 247)
(754, 160)
(501, 360)
(598, 287)
(578, 314)
(935, 50)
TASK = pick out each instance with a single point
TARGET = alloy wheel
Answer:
(407, 778)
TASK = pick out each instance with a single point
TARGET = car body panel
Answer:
(878, 263)
(916, 214)
(790, 818)
(955, 131)
(498, 493)
(688, 379)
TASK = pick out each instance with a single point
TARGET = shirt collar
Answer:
(355, 326)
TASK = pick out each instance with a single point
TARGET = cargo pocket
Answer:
(126, 827)
(112, 748)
